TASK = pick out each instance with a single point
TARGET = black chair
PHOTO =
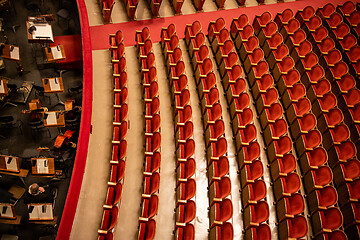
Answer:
(75, 87)
(39, 91)
(10, 122)
(65, 11)
(37, 125)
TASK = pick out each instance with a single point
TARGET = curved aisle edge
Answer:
(85, 127)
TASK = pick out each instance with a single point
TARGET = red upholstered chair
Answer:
(109, 219)
(303, 125)
(277, 55)
(149, 76)
(354, 18)
(176, 71)
(288, 80)
(348, 42)
(185, 170)
(272, 43)
(286, 186)
(349, 192)
(141, 36)
(293, 228)
(147, 230)
(218, 169)
(298, 109)
(220, 212)
(183, 116)
(284, 17)
(255, 214)
(185, 150)
(317, 178)
(120, 113)
(282, 166)
(209, 99)
(119, 67)
(231, 76)
(214, 132)
(313, 159)
(224, 50)
(244, 136)
(119, 150)
(241, 120)
(300, 51)
(217, 149)
(313, 23)
(313, 76)
(152, 144)
(151, 185)
(196, 43)
(184, 132)
(113, 194)
(179, 84)
(117, 171)
(324, 104)
(238, 24)
(228, 62)
(152, 164)
(279, 148)
(322, 198)
(215, 27)
(182, 100)
(243, 35)
(265, 33)
(305, 14)
(173, 58)
(326, 220)
(200, 55)
(152, 125)
(290, 28)
(222, 232)
(295, 39)
(219, 190)
(341, 153)
(258, 71)
(120, 132)
(283, 67)
(319, 35)
(170, 45)
(289, 207)
(346, 172)
(347, 8)
(308, 141)
(267, 99)
(247, 154)
(353, 54)
(250, 172)
(351, 213)
(120, 82)
(185, 191)
(185, 233)
(336, 136)
(121, 97)
(152, 108)
(253, 192)
(220, 38)
(212, 114)
(203, 70)
(115, 39)
(336, 234)
(261, 21)
(308, 62)
(274, 131)
(261, 231)
(167, 32)
(117, 53)
(325, 46)
(131, 6)
(149, 208)
(293, 94)
(350, 99)
(235, 89)
(108, 236)
(145, 49)
(331, 58)
(269, 115)
(330, 119)
(185, 213)
(352, 115)
(326, 11)
(151, 92)
(318, 90)
(262, 85)
(238, 104)
(248, 47)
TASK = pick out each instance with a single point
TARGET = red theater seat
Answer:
(322, 198)
(313, 23)
(298, 109)
(261, 85)
(185, 170)
(279, 148)
(288, 207)
(219, 190)
(317, 178)
(255, 214)
(325, 46)
(288, 80)
(293, 228)
(341, 153)
(299, 52)
(318, 35)
(212, 114)
(352, 115)
(282, 166)
(250, 172)
(348, 42)
(196, 43)
(248, 47)
(236, 89)
(218, 169)
(167, 32)
(151, 185)
(185, 213)
(260, 232)
(303, 15)
(149, 208)
(261, 21)
(185, 150)
(113, 194)
(231, 76)
(241, 120)
(269, 115)
(278, 54)
(258, 71)
(313, 159)
(253, 59)
(302, 125)
(115, 39)
(222, 232)
(326, 11)
(269, 30)
(185, 191)
(220, 212)
(286, 186)
(267, 99)
(214, 132)
(284, 17)
(217, 149)
(245, 136)
(351, 213)
(283, 67)
(349, 192)
(334, 235)
(330, 119)
(185, 233)
(253, 192)
(120, 113)
(147, 230)
(152, 164)
(119, 150)
(109, 219)
(248, 154)
(215, 27)
(238, 24)
(346, 172)
(308, 141)
(336, 135)
(274, 131)
(293, 94)
(237, 105)
(327, 220)
(184, 132)
(183, 116)
(347, 8)
(318, 90)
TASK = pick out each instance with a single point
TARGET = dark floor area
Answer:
(20, 140)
